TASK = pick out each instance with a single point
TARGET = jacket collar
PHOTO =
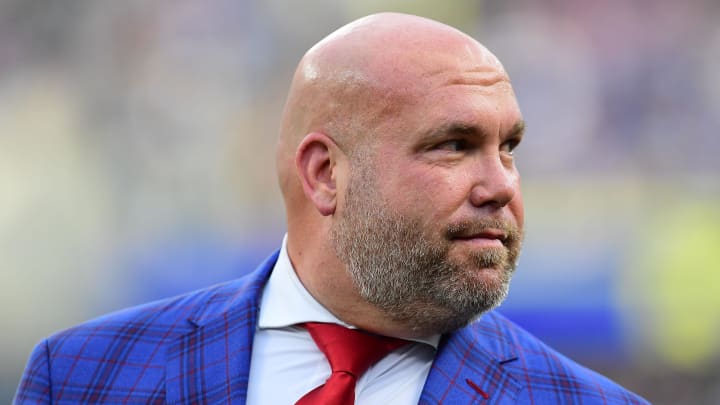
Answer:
(469, 366)
(211, 364)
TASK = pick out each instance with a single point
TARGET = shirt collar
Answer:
(286, 302)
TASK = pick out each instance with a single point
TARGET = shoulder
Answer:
(161, 320)
(546, 375)
(108, 355)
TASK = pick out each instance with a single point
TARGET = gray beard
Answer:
(398, 267)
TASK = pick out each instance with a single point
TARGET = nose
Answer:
(495, 183)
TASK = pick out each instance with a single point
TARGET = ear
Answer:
(316, 160)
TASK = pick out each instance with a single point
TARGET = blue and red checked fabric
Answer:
(195, 349)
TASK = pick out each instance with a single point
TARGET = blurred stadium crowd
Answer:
(137, 162)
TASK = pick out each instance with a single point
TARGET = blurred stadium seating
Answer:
(137, 162)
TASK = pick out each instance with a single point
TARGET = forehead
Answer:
(416, 83)
(461, 81)
(482, 102)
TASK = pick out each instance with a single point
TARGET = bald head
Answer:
(352, 81)
(398, 131)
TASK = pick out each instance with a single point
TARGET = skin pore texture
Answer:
(395, 161)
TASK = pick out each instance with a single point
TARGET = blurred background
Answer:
(137, 162)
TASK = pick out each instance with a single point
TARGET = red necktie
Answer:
(350, 353)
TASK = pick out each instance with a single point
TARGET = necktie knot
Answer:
(350, 353)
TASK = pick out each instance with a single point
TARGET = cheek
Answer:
(429, 191)
(517, 208)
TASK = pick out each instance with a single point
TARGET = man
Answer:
(405, 220)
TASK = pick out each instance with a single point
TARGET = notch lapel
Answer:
(211, 364)
(468, 368)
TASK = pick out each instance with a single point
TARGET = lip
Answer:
(485, 238)
(480, 242)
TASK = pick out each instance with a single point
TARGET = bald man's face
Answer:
(431, 223)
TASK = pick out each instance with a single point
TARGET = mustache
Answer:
(511, 233)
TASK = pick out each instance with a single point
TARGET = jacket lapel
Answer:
(211, 364)
(468, 368)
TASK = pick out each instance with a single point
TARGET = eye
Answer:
(509, 146)
(453, 145)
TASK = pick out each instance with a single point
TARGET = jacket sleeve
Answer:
(35, 385)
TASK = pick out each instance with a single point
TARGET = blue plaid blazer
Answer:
(195, 349)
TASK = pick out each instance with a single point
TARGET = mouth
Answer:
(485, 238)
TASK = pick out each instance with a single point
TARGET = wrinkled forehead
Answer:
(422, 69)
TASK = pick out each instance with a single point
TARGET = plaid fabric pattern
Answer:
(195, 349)
(494, 361)
(192, 349)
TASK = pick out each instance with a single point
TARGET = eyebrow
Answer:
(517, 130)
(460, 128)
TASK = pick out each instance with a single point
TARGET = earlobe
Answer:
(315, 164)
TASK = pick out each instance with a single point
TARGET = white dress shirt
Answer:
(286, 364)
